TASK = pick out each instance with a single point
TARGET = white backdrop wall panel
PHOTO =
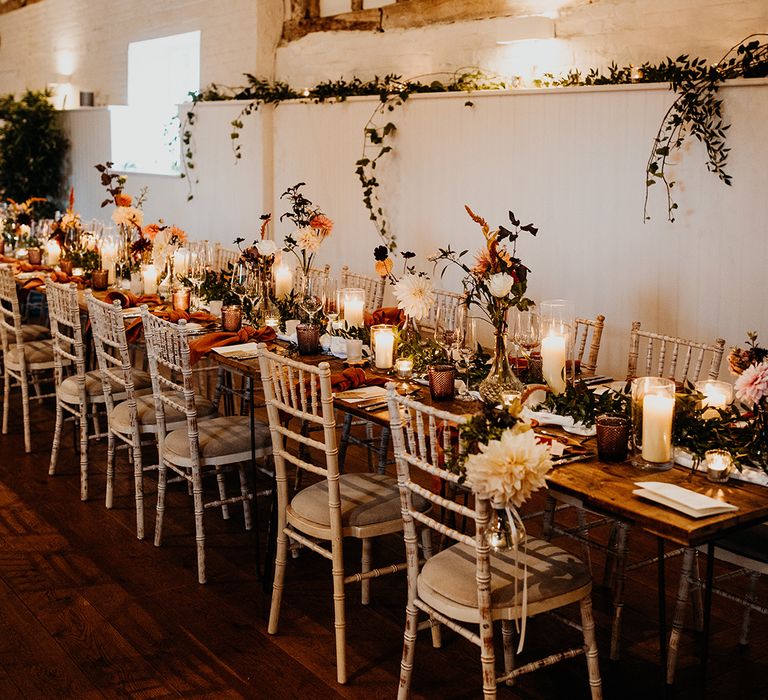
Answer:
(572, 161)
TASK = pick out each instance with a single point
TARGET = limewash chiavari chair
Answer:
(134, 417)
(446, 302)
(466, 582)
(198, 448)
(362, 506)
(746, 549)
(373, 287)
(666, 351)
(225, 257)
(27, 355)
(584, 328)
(82, 391)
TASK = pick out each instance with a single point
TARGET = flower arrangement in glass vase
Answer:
(494, 284)
(166, 240)
(312, 228)
(750, 364)
(18, 219)
(78, 249)
(252, 276)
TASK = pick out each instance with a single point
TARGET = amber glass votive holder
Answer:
(441, 382)
(34, 256)
(100, 280)
(308, 338)
(612, 437)
(66, 267)
(181, 298)
(231, 318)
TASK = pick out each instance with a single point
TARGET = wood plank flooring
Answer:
(89, 611)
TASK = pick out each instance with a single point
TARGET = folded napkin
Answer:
(128, 300)
(60, 277)
(204, 344)
(176, 315)
(353, 377)
(25, 266)
(387, 314)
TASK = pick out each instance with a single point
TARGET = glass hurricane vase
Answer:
(500, 378)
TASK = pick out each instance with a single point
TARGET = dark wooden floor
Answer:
(87, 610)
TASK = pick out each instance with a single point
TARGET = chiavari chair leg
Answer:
(279, 577)
(590, 644)
(509, 649)
(134, 454)
(162, 480)
(409, 648)
(110, 491)
(677, 622)
(83, 420)
(246, 494)
(618, 594)
(365, 566)
(222, 493)
(581, 518)
(25, 412)
(56, 438)
(6, 399)
(696, 601)
(197, 493)
(339, 615)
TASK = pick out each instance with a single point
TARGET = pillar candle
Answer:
(553, 362)
(353, 311)
(385, 349)
(283, 280)
(109, 258)
(52, 253)
(149, 277)
(657, 427)
(180, 262)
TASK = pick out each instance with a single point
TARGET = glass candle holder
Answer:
(612, 437)
(383, 345)
(66, 266)
(404, 368)
(231, 318)
(308, 338)
(441, 382)
(181, 298)
(717, 394)
(353, 303)
(354, 351)
(78, 272)
(719, 465)
(149, 278)
(653, 407)
(508, 398)
(100, 280)
(557, 322)
(34, 256)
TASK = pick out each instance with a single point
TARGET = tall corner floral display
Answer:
(751, 387)
(495, 284)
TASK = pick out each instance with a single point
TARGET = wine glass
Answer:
(312, 296)
(527, 331)
(467, 347)
(239, 280)
(331, 305)
(196, 273)
(446, 330)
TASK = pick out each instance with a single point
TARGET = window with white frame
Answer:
(161, 74)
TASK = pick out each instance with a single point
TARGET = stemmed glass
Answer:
(331, 304)
(239, 280)
(467, 347)
(446, 331)
(197, 268)
(312, 297)
(527, 331)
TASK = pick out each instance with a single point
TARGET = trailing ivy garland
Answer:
(697, 111)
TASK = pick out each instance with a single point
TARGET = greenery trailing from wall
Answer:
(697, 110)
(32, 149)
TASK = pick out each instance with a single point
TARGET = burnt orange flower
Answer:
(384, 267)
(151, 230)
(323, 223)
(179, 234)
(123, 200)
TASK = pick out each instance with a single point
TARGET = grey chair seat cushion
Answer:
(69, 392)
(217, 437)
(366, 499)
(35, 351)
(552, 573)
(120, 419)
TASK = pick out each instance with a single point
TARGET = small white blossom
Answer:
(500, 284)
(415, 295)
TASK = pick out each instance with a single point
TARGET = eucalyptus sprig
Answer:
(583, 404)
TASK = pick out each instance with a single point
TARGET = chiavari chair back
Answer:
(373, 287)
(588, 331)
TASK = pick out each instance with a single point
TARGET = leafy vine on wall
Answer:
(696, 111)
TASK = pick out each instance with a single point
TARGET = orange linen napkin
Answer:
(353, 377)
(387, 314)
(204, 344)
(176, 315)
(24, 266)
(128, 300)
(61, 277)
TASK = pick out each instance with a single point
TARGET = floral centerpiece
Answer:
(78, 248)
(312, 228)
(495, 283)
(750, 364)
(17, 222)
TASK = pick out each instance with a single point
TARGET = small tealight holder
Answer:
(77, 272)
(717, 395)
(181, 298)
(653, 407)
(231, 318)
(719, 465)
(100, 280)
(404, 368)
(354, 351)
(308, 338)
(34, 256)
(441, 382)
(272, 321)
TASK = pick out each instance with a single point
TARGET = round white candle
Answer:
(283, 280)
(52, 252)
(657, 428)
(149, 277)
(553, 362)
(385, 349)
(718, 463)
(404, 367)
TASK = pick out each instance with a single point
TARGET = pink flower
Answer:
(752, 384)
